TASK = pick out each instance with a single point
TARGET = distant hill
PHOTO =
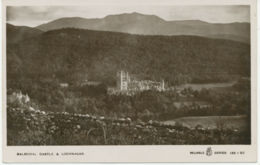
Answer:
(136, 23)
(18, 33)
(71, 55)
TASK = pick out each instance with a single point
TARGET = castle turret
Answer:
(122, 80)
(163, 85)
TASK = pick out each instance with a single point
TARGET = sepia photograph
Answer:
(128, 75)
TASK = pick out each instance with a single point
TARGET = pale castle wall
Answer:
(125, 83)
(18, 97)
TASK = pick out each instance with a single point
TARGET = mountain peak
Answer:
(134, 15)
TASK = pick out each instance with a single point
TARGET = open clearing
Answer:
(212, 122)
(206, 86)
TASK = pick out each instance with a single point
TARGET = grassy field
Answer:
(206, 86)
(212, 122)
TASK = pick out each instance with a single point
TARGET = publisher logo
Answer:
(209, 151)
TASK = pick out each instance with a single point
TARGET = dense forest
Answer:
(71, 55)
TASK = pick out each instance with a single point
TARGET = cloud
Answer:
(35, 15)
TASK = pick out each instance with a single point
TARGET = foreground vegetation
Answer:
(35, 127)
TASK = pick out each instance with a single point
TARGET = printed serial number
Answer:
(237, 153)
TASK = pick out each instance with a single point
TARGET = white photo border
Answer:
(142, 153)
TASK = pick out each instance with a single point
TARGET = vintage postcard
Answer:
(129, 81)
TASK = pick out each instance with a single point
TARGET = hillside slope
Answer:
(16, 34)
(72, 54)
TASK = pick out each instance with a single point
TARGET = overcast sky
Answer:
(36, 15)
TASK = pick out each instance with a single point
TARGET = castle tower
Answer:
(163, 85)
(122, 80)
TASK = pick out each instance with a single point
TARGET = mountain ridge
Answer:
(136, 23)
